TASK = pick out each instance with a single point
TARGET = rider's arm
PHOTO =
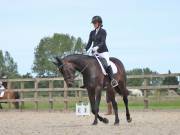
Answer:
(89, 42)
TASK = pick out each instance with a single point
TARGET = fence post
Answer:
(146, 101)
(76, 94)
(22, 96)
(80, 92)
(36, 94)
(9, 88)
(158, 95)
(65, 97)
(50, 95)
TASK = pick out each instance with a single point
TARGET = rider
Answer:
(98, 38)
(1, 87)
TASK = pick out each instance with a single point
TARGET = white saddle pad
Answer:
(2, 94)
(114, 68)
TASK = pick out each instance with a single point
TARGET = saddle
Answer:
(103, 64)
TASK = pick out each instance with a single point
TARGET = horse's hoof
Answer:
(105, 120)
(116, 123)
(95, 123)
(129, 120)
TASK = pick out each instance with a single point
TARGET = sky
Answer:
(141, 33)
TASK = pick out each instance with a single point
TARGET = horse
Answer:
(135, 92)
(8, 95)
(94, 81)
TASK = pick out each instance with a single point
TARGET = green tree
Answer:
(8, 67)
(27, 75)
(11, 66)
(2, 65)
(170, 80)
(49, 47)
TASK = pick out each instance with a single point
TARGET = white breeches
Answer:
(106, 56)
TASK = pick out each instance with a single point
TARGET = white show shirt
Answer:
(97, 30)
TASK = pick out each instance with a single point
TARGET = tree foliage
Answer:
(8, 67)
(49, 47)
(170, 80)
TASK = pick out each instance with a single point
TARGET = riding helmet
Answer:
(97, 19)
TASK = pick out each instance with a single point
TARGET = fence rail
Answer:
(78, 91)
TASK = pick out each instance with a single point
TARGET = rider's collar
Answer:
(97, 30)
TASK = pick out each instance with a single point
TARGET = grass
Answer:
(133, 104)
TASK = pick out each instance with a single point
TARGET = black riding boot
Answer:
(109, 71)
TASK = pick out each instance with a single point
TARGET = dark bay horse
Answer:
(95, 81)
(8, 95)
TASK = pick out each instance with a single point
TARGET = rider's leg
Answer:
(109, 70)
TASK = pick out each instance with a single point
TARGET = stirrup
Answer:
(114, 83)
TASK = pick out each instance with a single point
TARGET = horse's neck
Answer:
(82, 63)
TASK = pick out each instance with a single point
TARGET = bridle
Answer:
(69, 77)
(84, 68)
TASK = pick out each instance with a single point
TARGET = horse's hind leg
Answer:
(125, 99)
(1, 106)
(122, 90)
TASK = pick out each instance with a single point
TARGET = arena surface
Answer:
(60, 123)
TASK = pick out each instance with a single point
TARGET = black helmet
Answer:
(97, 19)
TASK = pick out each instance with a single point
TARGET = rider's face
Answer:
(96, 25)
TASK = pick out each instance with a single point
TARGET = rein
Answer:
(90, 52)
(82, 70)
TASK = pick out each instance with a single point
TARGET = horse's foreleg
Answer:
(128, 117)
(111, 95)
(91, 95)
(97, 102)
(1, 106)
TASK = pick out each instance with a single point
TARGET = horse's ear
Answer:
(59, 61)
(55, 63)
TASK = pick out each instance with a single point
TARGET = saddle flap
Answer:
(103, 64)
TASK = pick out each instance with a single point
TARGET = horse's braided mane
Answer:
(73, 56)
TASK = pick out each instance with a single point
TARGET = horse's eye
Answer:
(61, 70)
